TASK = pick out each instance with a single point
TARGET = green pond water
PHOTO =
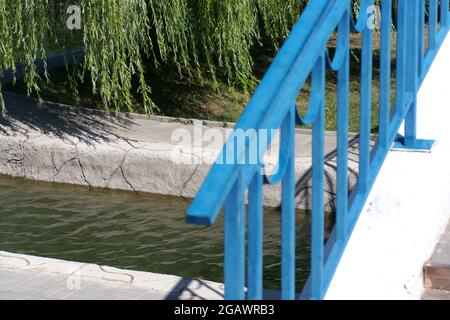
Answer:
(127, 230)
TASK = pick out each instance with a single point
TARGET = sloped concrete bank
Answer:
(61, 144)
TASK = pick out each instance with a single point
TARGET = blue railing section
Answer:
(273, 106)
(55, 61)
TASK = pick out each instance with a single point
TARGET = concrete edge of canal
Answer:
(78, 275)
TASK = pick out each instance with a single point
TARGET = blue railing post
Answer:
(421, 37)
(401, 50)
(412, 73)
(445, 14)
(288, 208)
(385, 73)
(366, 108)
(318, 223)
(234, 272)
(255, 237)
(432, 23)
(342, 129)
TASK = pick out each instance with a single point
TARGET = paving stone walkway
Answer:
(28, 285)
(24, 277)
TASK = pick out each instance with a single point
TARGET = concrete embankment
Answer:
(61, 144)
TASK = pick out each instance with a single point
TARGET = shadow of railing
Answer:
(303, 186)
(195, 289)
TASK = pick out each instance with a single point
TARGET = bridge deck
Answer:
(407, 210)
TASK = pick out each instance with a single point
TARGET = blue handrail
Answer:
(55, 61)
(273, 106)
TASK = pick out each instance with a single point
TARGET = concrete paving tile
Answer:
(126, 293)
(16, 275)
(21, 291)
(152, 295)
(61, 290)
(86, 296)
(11, 296)
(6, 284)
(31, 285)
(45, 283)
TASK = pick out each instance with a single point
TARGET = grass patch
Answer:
(219, 101)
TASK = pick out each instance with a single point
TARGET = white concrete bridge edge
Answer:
(408, 208)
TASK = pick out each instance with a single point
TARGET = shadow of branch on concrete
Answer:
(25, 115)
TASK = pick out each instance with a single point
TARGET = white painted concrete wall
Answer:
(408, 208)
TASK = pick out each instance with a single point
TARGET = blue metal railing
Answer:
(273, 106)
(55, 61)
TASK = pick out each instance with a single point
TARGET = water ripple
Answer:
(125, 230)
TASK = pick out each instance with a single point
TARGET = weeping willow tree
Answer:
(202, 38)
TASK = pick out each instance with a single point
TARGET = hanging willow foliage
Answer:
(203, 38)
(24, 26)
